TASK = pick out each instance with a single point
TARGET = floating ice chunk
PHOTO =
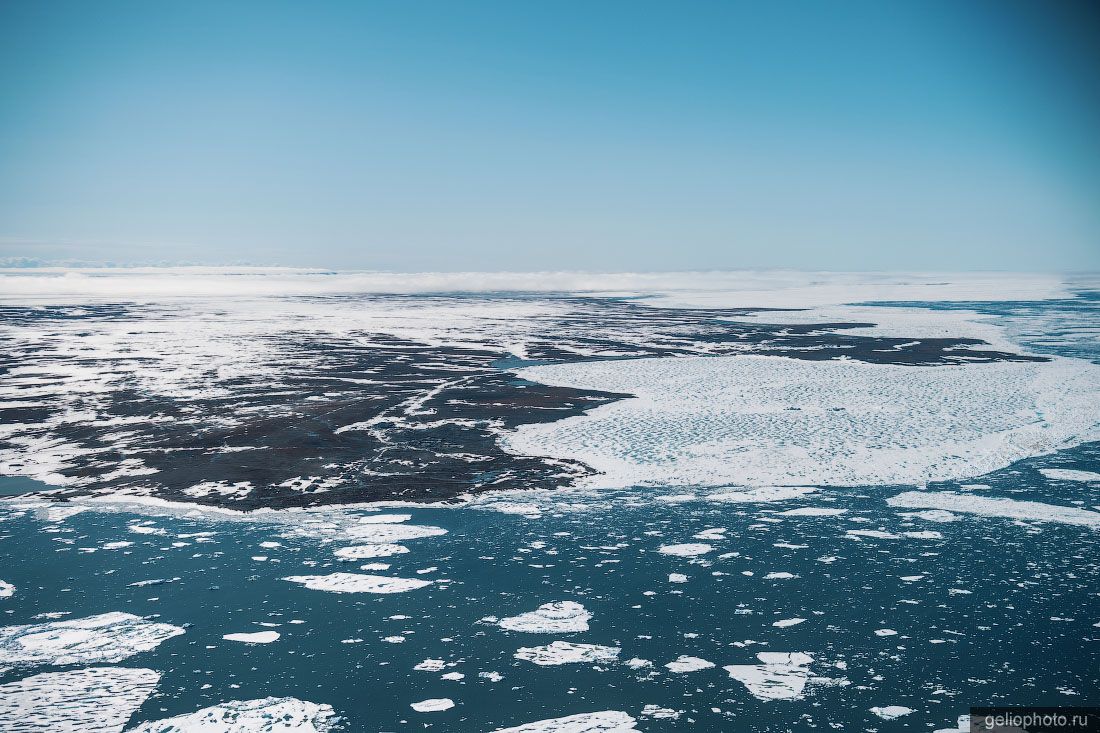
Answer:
(684, 663)
(932, 515)
(780, 676)
(890, 712)
(677, 578)
(365, 552)
(431, 665)
(657, 712)
(780, 576)
(605, 721)
(689, 549)
(108, 637)
(784, 623)
(269, 715)
(389, 533)
(911, 578)
(491, 676)
(117, 545)
(1066, 474)
(384, 518)
(358, 583)
(885, 632)
(995, 507)
(707, 421)
(813, 511)
(452, 676)
(257, 637)
(761, 495)
(637, 663)
(715, 533)
(92, 700)
(877, 534)
(434, 705)
(562, 617)
(563, 652)
(7, 590)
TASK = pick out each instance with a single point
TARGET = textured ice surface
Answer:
(889, 712)
(391, 533)
(1066, 474)
(267, 715)
(364, 552)
(605, 721)
(690, 549)
(256, 637)
(990, 506)
(564, 652)
(92, 700)
(358, 583)
(778, 421)
(779, 676)
(7, 590)
(563, 617)
(433, 705)
(108, 637)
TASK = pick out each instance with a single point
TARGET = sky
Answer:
(608, 136)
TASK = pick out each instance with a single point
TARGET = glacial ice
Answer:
(266, 715)
(562, 617)
(989, 506)
(605, 721)
(564, 652)
(434, 705)
(108, 637)
(779, 676)
(90, 700)
(255, 637)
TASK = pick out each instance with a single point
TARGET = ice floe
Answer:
(108, 637)
(266, 715)
(690, 549)
(433, 705)
(562, 617)
(564, 652)
(779, 676)
(92, 700)
(390, 533)
(684, 663)
(889, 712)
(990, 506)
(7, 590)
(1066, 474)
(366, 552)
(605, 721)
(767, 420)
(358, 583)
(813, 511)
(256, 637)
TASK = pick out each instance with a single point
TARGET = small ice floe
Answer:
(684, 664)
(92, 700)
(257, 637)
(491, 676)
(605, 721)
(1066, 474)
(431, 665)
(146, 529)
(7, 590)
(562, 617)
(452, 676)
(689, 549)
(390, 533)
(885, 632)
(784, 623)
(659, 713)
(247, 716)
(116, 545)
(962, 725)
(637, 663)
(385, 518)
(108, 637)
(889, 712)
(357, 583)
(988, 506)
(780, 576)
(366, 552)
(912, 578)
(714, 533)
(932, 515)
(875, 533)
(563, 652)
(779, 676)
(375, 566)
(761, 495)
(812, 511)
(433, 705)
(270, 545)
(677, 578)
(529, 511)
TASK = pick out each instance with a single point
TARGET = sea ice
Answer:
(91, 700)
(690, 549)
(769, 420)
(358, 583)
(364, 552)
(563, 617)
(812, 511)
(1066, 474)
(390, 533)
(434, 705)
(266, 715)
(563, 652)
(889, 712)
(7, 590)
(989, 506)
(684, 663)
(605, 721)
(256, 637)
(780, 676)
(108, 637)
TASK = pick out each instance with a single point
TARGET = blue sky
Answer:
(552, 135)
